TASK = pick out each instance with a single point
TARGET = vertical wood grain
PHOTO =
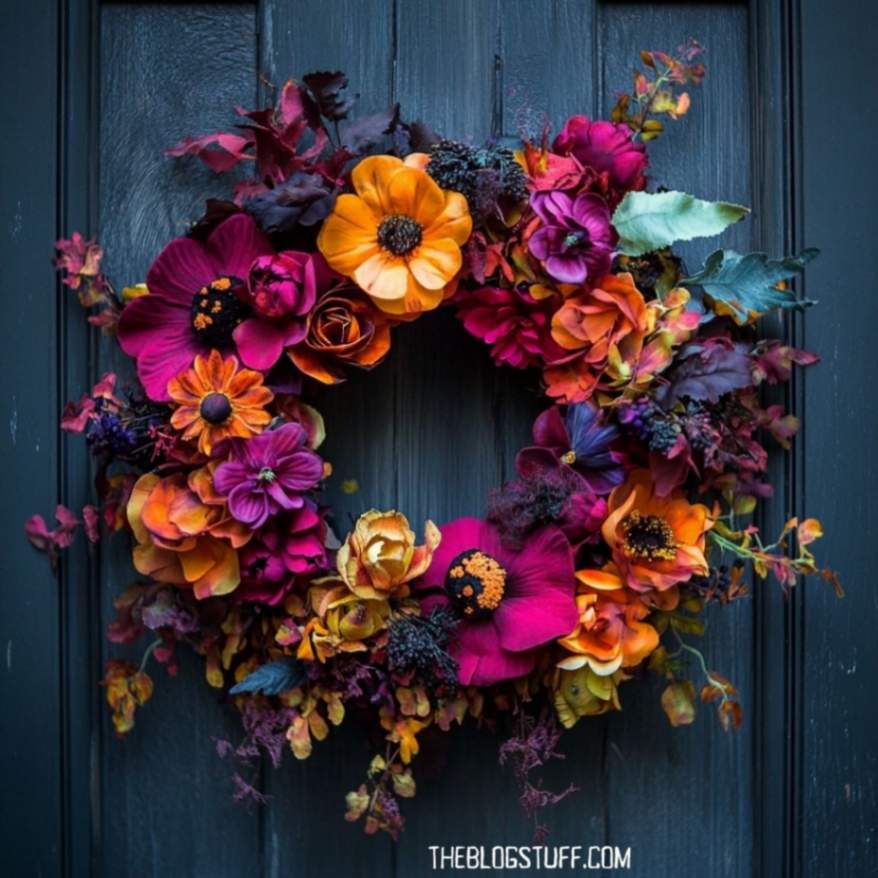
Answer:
(682, 797)
(838, 780)
(30, 664)
(167, 71)
(304, 833)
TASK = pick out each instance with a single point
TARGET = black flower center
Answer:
(399, 234)
(215, 408)
(475, 584)
(648, 538)
(217, 309)
(576, 239)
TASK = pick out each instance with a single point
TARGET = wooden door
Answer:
(97, 91)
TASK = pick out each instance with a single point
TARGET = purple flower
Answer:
(575, 240)
(268, 473)
(579, 442)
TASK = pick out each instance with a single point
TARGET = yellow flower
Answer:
(399, 236)
(379, 557)
(403, 732)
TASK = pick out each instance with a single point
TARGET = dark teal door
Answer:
(94, 92)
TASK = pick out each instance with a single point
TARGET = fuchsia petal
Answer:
(234, 244)
(260, 343)
(179, 271)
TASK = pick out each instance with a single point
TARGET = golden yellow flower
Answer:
(399, 237)
(379, 557)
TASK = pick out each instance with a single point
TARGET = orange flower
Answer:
(178, 539)
(604, 329)
(217, 400)
(379, 556)
(656, 542)
(343, 329)
(611, 633)
(399, 236)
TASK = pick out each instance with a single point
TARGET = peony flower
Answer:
(510, 602)
(606, 148)
(574, 240)
(656, 542)
(176, 541)
(343, 329)
(602, 328)
(290, 545)
(268, 473)
(399, 236)
(379, 556)
(281, 290)
(515, 324)
(610, 634)
(215, 400)
(578, 441)
(194, 302)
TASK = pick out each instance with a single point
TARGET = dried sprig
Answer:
(658, 90)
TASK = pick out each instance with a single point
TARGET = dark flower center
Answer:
(576, 239)
(215, 408)
(399, 234)
(475, 584)
(648, 538)
(216, 310)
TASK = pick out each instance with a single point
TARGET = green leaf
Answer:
(648, 221)
(743, 285)
(272, 678)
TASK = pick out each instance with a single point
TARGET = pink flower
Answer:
(510, 602)
(268, 473)
(197, 295)
(282, 289)
(575, 239)
(516, 325)
(607, 148)
(290, 545)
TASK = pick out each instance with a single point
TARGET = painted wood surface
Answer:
(431, 431)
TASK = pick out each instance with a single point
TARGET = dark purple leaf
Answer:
(360, 136)
(326, 89)
(708, 371)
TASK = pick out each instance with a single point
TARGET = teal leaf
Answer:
(272, 678)
(748, 284)
(648, 221)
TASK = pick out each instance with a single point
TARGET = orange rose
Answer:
(343, 329)
(179, 537)
(611, 633)
(604, 329)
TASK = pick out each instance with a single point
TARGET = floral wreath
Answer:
(628, 515)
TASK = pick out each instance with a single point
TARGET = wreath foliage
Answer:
(628, 515)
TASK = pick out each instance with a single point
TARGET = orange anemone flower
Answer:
(217, 400)
(657, 542)
(611, 633)
(399, 237)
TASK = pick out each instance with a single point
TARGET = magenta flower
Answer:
(197, 297)
(289, 546)
(281, 289)
(606, 148)
(516, 325)
(268, 473)
(510, 602)
(575, 239)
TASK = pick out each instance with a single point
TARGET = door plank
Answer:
(303, 830)
(167, 71)
(30, 660)
(682, 797)
(837, 780)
